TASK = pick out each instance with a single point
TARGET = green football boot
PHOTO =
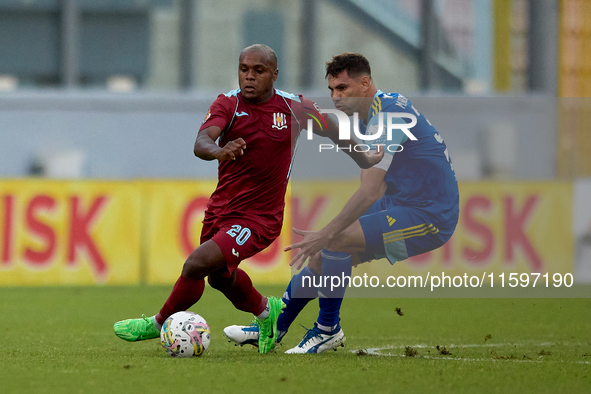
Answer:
(268, 326)
(133, 330)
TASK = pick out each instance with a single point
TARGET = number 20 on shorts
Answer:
(241, 234)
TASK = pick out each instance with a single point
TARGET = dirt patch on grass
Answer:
(410, 351)
(443, 351)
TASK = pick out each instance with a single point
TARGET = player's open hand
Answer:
(312, 243)
(232, 150)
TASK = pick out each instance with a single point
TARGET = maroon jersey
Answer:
(253, 186)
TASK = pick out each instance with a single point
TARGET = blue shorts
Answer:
(399, 232)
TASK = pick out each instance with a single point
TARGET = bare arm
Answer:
(206, 149)
(371, 189)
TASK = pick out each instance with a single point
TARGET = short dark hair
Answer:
(354, 63)
(267, 50)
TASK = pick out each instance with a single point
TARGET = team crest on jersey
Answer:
(279, 120)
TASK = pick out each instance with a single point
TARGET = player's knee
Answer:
(315, 263)
(194, 267)
(337, 245)
(207, 258)
(219, 282)
(349, 240)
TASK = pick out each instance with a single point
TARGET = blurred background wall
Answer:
(110, 94)
(117, 89)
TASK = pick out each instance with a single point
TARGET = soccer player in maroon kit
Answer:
(257, 127)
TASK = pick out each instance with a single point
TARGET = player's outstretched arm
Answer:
(206, 148)
(371, 189)
(364, 160)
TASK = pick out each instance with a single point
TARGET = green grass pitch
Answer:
(60, 340)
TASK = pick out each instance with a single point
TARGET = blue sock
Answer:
(336, 272)
(301, 289)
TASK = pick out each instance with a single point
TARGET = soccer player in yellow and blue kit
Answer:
(406, 205)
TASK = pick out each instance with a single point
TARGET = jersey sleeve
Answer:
(310, 106)
(307, 109)
(391, 145)
(219, 113)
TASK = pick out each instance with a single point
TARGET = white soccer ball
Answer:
(185, 334)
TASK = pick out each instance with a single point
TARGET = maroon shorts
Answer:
(238, 239)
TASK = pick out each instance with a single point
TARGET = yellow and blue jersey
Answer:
(419, 210)
(421, 173)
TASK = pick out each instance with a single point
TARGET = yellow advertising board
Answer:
(91, 232)
(58, 232)
(510, 227)
(173, 221)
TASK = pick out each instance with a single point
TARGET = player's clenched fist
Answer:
(231, 150)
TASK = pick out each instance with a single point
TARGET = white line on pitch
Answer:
(458, 346)
(376, 352)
